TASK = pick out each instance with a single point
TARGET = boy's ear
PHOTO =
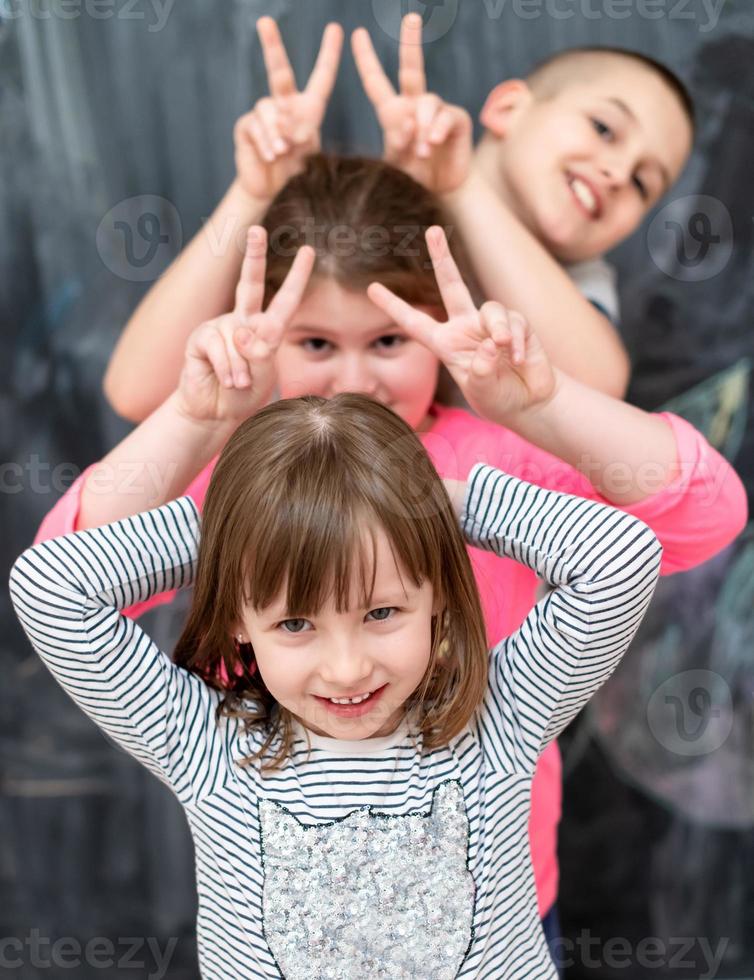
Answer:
(504, 105)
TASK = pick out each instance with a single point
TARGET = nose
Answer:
(345, 669)
(354, 375)
(616, 171)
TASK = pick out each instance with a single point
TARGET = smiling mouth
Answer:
(585, 196)
(353, 707)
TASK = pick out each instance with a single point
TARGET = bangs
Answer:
(322, 550)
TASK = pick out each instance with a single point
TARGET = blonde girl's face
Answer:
(339, 341)
(382, 650)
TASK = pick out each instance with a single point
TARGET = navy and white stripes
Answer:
(603, 565)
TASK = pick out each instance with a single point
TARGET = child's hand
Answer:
(229, 370)
(282, 129)
(427, 138)
(493, 355)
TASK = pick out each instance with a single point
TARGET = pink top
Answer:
(694, 517)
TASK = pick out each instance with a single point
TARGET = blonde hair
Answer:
(294, 494)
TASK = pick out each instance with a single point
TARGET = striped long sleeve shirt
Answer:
(356, 860)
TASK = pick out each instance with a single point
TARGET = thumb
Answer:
(484, 361)
(250, 346)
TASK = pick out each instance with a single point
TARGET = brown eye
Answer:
(640, 186)
(602, 128)
(316, 345)
(391, 341)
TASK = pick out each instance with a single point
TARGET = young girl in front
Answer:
(358, 790)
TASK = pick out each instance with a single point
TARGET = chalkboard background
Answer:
(115, 144)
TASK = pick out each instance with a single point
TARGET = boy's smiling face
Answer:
(582, 166)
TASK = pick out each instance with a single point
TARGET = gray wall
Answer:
(102, 104)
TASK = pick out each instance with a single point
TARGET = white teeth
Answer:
(585, 194)
(350, 700)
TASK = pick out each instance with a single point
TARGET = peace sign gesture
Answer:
(283, 128)
(424, 136)
(229, 369)
(492, 353)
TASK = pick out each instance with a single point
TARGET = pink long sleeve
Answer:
(702, 511)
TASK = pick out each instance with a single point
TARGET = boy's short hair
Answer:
(548, 74)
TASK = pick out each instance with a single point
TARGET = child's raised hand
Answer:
(229, 368)
(492, 353)
(424, 136)
(283, 128)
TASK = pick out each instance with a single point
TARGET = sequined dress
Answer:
(373, 860)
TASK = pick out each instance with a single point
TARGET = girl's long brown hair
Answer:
(293, 494)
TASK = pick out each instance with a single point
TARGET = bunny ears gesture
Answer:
(229, 367)
(424, 136)
(283, 128)
(492, 353)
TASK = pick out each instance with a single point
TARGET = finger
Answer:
(427, 108)
(280, 75)
(238, 366)
(288, 298)
(519, 328)
(455, 296)
(496, 322)
(376, 83)
(417, 325)
(250, 289)
(484, 361)
(269, 118)
(411, 77)
(324, 73)
(259, 138)
(212, 346)
(398, 137)
(442, 126)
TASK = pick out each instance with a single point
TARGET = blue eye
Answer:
(296, 625)
(389, 610)
(315, 345)
(602, 128)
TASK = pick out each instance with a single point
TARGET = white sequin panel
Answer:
(369, 897)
